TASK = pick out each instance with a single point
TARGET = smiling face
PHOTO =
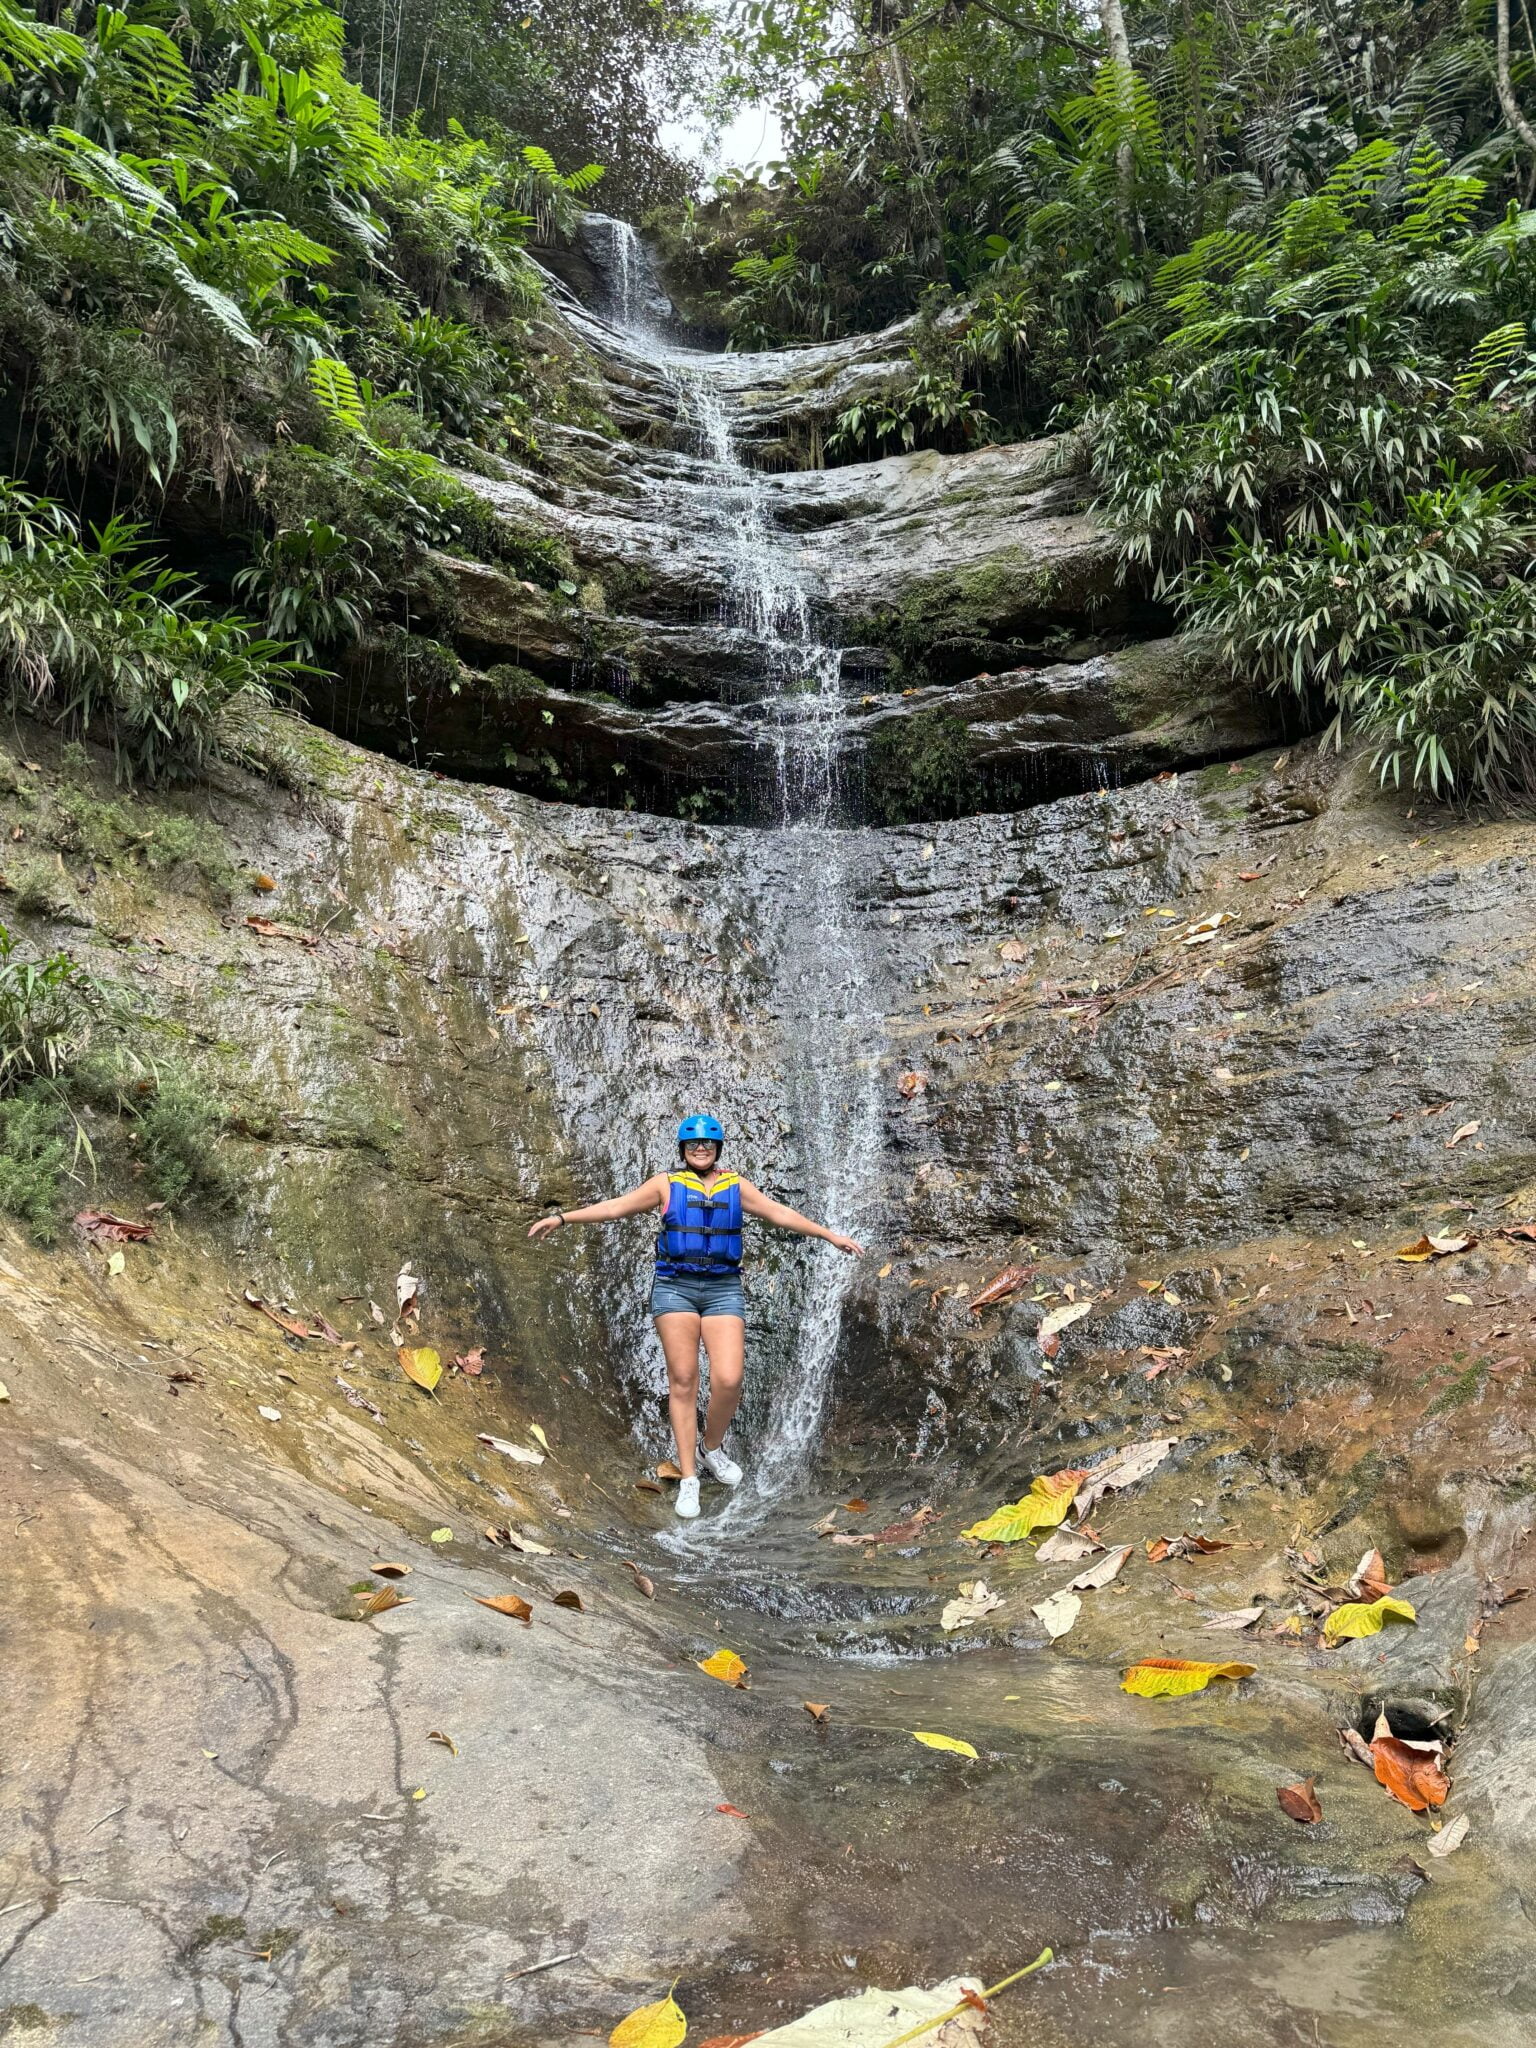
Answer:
(700, 1154)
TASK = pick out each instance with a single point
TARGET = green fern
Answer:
(337, 392)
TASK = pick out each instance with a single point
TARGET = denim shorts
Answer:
(700, 1294)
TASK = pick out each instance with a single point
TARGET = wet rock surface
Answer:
(494, 1006)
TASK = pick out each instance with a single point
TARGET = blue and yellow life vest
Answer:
(700, 1228)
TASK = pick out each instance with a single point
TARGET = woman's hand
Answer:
(850, 1245)
(545, 1226)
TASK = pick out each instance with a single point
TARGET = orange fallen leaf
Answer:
(1300, 1801)
(508, 1603)
(1409, 1773)
(667, 1470)
(909, 1085)
(391, 1571)
(856, 1507)
(817, 1709)
(263, 883)
(291, 1324)
(734, 1811)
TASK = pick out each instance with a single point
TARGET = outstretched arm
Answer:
(756, 1203)
(651, 1194)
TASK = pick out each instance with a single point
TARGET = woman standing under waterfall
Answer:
(696, 1294)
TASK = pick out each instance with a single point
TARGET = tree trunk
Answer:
(1112, 21)
(1507, 100)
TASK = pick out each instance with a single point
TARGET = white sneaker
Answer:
(720, 1467)
(687, 1502)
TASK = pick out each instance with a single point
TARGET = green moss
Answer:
(26, 2019)
(1466, 1387)
(217, 1927)
(508, 684)
(953, 621)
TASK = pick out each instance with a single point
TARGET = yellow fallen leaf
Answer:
(724, 1665)
(539, 1437)
(948, 1742)
(421, 1364)
(441, 1536)
(1154, 1677)
(1044, 1505)
(420, 1792)
(1366, 1618)
(5, 1392)
(884, 1272)
(661, 2025)
(116, 1264)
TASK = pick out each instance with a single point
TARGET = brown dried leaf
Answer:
(909, 1085)
(105, 1228)
(437, 1735)
(391, 1571)
(1009, 1281)
(291, 1324)
(1370, 1581)
(569, 1599)
(507, 1603)
(647, 1586)
(264, 928)
(667, 1470)
(382, 1601)
(1300, 1801)
(817, 1709)
(471, 1362)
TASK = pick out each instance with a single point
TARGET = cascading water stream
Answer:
(824, 983)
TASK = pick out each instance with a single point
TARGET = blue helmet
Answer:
(709, 1127)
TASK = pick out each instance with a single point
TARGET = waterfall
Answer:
(825, 983)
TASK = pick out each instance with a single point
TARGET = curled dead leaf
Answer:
(735, 1812)
(471, 1363)
(1009, 1281)
(509, 1604)
(817, 1709)
(647, 1586)
(667, 1470)
(437, 1735)
(910, 1085)
(391, 1571)
(567, 1598)
(1410, 1771)
(382, 1601)
(1300, 1801)
(1429, 1247)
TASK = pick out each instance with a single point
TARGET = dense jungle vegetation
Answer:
(264, 276)
(1268, 265)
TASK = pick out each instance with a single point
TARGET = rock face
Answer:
(713, 591)
(1005, 1039)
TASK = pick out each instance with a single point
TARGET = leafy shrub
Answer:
(1289, 470)
(36, 1154)
(918, 767)
(106, 639)
(176, 1130)
(47, 1011)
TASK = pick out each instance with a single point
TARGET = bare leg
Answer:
(678, 1330)
(725, 1340)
